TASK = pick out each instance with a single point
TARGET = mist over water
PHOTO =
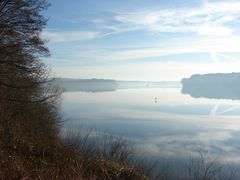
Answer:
(161, 121)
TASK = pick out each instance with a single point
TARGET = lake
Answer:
(162, 122)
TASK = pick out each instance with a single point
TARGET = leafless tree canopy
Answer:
(28, 100)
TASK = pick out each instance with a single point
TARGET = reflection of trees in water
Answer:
(105, 85)
(213, 86)
(88, 85)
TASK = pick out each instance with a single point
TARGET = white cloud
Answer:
(207, 30)
(210, 19)
(216, 45)
(55, 37)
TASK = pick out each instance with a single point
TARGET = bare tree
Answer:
(28, 99)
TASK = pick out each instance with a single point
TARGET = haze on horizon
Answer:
(143, 40)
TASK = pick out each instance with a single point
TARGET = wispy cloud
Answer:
(124, 37)
(211, 19)
(209, 29)
(209, 45)
(67, 36)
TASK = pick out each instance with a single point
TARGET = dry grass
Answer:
(65, 161)
(85, 156)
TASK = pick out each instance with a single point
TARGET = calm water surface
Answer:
(162, 122)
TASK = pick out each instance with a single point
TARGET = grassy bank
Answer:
(67, 160)
(83, 156)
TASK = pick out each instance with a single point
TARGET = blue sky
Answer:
(142, 39)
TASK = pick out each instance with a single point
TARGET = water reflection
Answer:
(216, 86)
(174, 127)
(104, 85)
(87, 85)
(212, 92)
